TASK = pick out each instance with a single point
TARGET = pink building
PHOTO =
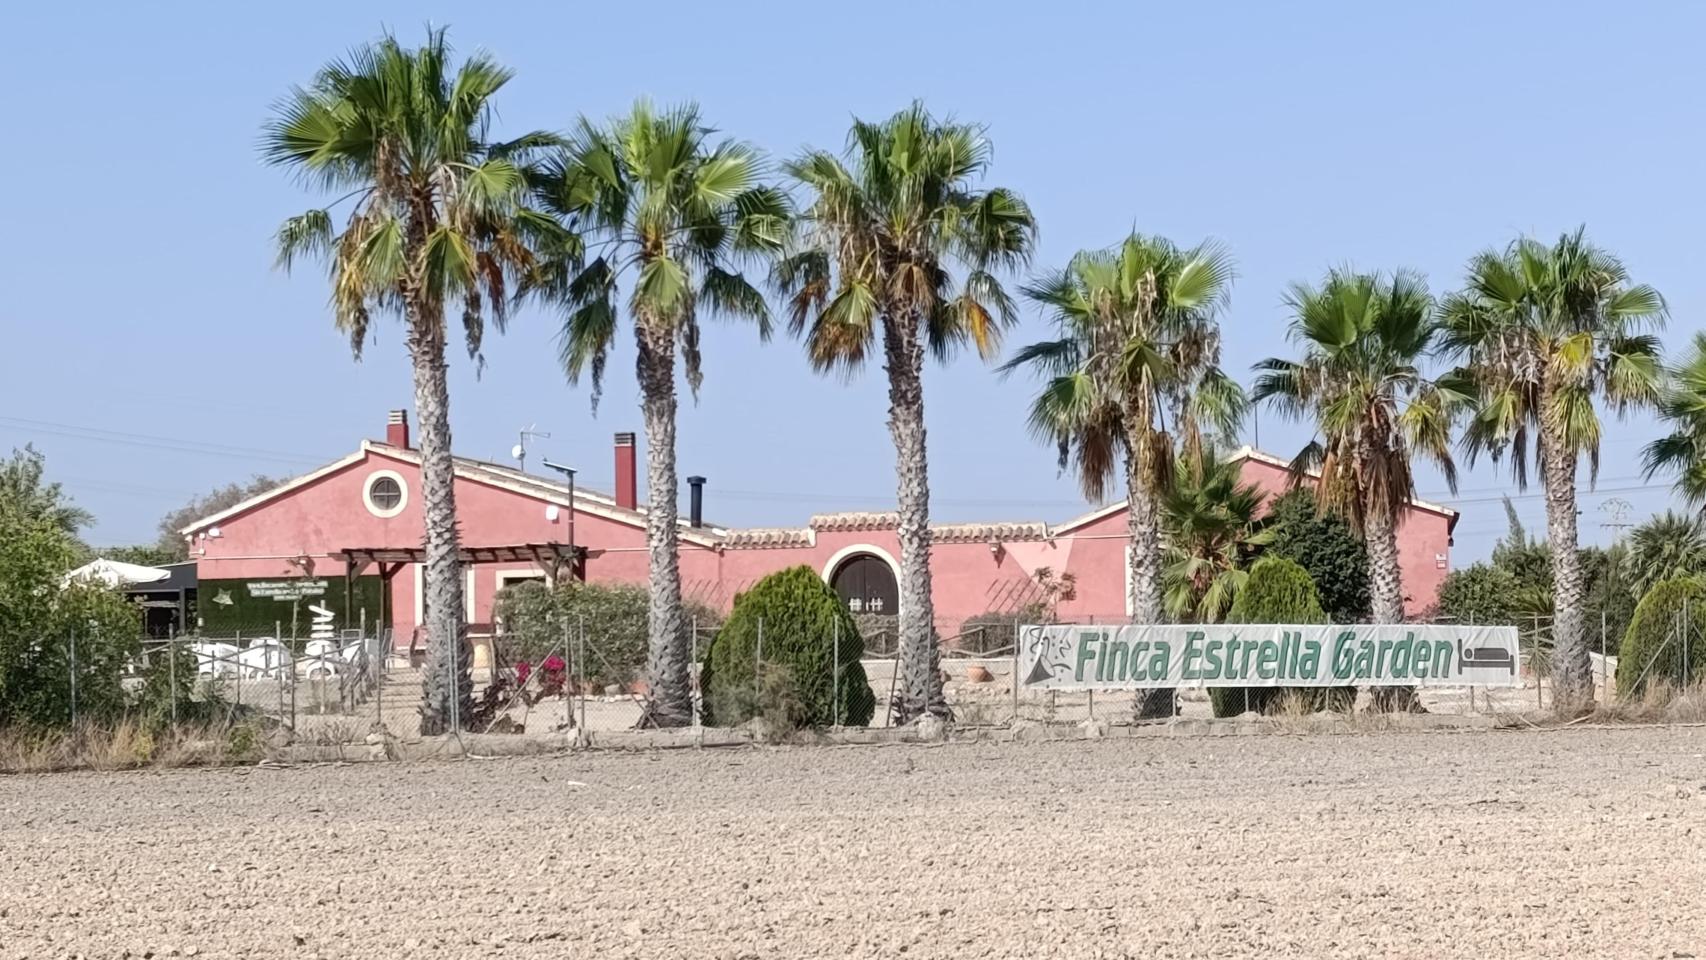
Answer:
(285, 553)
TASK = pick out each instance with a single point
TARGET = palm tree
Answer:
(1541, 332)
(884, 226)
(675, 215)
(1363, 338)
(1213, 529)
(1683, 404)
(436, 218)
(1134, 371)
(1670, 546)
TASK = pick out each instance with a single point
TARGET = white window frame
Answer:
(367, 493)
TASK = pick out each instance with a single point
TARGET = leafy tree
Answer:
(1667, 619)
(1213, 531)
(1323, 544)
(674, 215)
(172, 547)
(438, 220)
(883, 228)
(25, 490)
(1139, 347)
(1277, 590)
(792, 623)
(1541, 333)
(1363, 338)
(1683, 405)
(1480, 593)
(51, 632)
(1670, 546)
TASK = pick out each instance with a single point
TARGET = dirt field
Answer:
(1537, 844)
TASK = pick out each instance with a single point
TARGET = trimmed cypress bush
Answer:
(802, 618)
(1652, 650)
(1278, 590)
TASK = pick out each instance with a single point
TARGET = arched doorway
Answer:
(865, 582)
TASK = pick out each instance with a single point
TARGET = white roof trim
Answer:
(596, 504)
(282, 488)
(545, 491)
(1245, 452)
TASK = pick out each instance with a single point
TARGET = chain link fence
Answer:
(344, 687)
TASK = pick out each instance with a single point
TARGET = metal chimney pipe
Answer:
(696, 501)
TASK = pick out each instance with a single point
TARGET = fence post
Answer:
(172, 672)
(238, 689)
(1687, 641)
(758, 666)
(1604, 677)
(694, 672)
(582, 658)
(835, 675)
(1539, 688)
(1015, 677)
(71, 636)
(568, 680)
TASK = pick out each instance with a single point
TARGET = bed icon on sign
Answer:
(1485, 658)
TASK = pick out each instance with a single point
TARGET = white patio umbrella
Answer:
(115, 573)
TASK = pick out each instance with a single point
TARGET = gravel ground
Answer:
(1496, 844)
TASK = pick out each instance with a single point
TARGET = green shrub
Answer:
(538, 621)
(1279, 590)
(1324, 545)
(801, 619)
(1652, 650)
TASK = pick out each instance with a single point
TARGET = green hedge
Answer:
(803, 624)
(1652, 650)
(1279, 590)
(536, 621)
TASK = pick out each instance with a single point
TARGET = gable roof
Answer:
(1248, 452)
(591, 502)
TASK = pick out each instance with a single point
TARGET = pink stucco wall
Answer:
(969, 578)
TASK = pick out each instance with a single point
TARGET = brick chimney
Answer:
(627, 496)
(397, 429)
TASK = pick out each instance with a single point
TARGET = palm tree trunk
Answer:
(1143, 560)
(1386, 589)
(920, 664)
(670, 701)
(446, 687)
(1572, 668)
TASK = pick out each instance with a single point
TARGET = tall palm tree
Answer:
(1683, 405)
(437, 218)
(674, 215)
(1212, 521)
(1669, 546)
(1363, 338)
(885, 225)
(1541, 333)
(1134, 371)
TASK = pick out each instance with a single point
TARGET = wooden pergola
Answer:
(551, 557)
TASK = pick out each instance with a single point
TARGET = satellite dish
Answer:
(517, 451)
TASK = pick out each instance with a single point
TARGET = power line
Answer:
(149, 441)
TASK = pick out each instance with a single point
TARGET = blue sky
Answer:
(140, 299)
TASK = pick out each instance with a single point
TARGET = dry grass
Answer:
(127, 745)
(1661, 702)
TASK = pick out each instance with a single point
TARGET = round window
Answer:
(385, 494)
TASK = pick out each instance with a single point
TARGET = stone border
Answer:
(490, 746)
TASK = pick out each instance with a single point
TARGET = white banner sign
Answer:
(1074, 657)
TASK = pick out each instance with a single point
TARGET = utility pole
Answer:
(1616, 511)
